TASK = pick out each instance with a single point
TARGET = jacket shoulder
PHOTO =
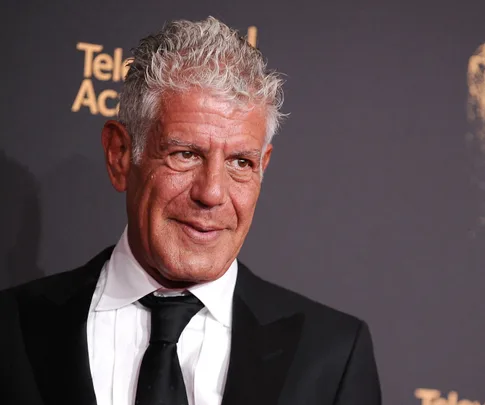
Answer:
(58, 284)
(277, 299)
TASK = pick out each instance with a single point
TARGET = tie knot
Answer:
(170, 315)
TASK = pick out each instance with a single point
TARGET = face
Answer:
(191, 198)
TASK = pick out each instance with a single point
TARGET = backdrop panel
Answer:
(372, 202)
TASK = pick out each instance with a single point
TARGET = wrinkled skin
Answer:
(191, 198)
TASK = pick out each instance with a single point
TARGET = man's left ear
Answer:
(267, 156)
(117, 152)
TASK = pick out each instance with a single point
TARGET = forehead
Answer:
(200, 115)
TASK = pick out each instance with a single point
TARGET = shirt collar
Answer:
(217, 295)
(127, 282)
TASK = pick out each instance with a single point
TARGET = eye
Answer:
(183, 160)
(186, 154)
(242, 163)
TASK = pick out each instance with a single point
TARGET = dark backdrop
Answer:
(372, 202)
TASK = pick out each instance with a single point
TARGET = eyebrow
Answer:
(188, 145)
(250, 153)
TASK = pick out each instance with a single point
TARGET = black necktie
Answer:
(160, 381)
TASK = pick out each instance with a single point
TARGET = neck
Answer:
(166, 283)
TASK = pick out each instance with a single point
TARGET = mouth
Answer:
(200, 232)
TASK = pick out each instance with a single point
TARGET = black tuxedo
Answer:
(286, 349)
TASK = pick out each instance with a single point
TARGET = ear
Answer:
(267, 156)
(117, 152)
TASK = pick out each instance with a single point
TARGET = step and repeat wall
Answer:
(374, 201)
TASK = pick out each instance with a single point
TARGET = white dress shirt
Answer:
(118, 331)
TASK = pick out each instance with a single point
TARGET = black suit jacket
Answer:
(286, 349)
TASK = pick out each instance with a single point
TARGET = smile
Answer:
(201, 233)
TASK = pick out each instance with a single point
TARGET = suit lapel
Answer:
(54, 328)
(55, 336)
(262, 350)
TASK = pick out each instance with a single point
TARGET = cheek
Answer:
(157, 190)
(244, 198)
(170, 193)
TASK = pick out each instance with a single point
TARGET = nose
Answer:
(209, 188)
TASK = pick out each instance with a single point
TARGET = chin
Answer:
(197, 270)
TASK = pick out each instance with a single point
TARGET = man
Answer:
(169, 316)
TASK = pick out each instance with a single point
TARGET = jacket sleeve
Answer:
(17, 381)
(360, 382)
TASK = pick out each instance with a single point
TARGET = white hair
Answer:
(205, 54)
